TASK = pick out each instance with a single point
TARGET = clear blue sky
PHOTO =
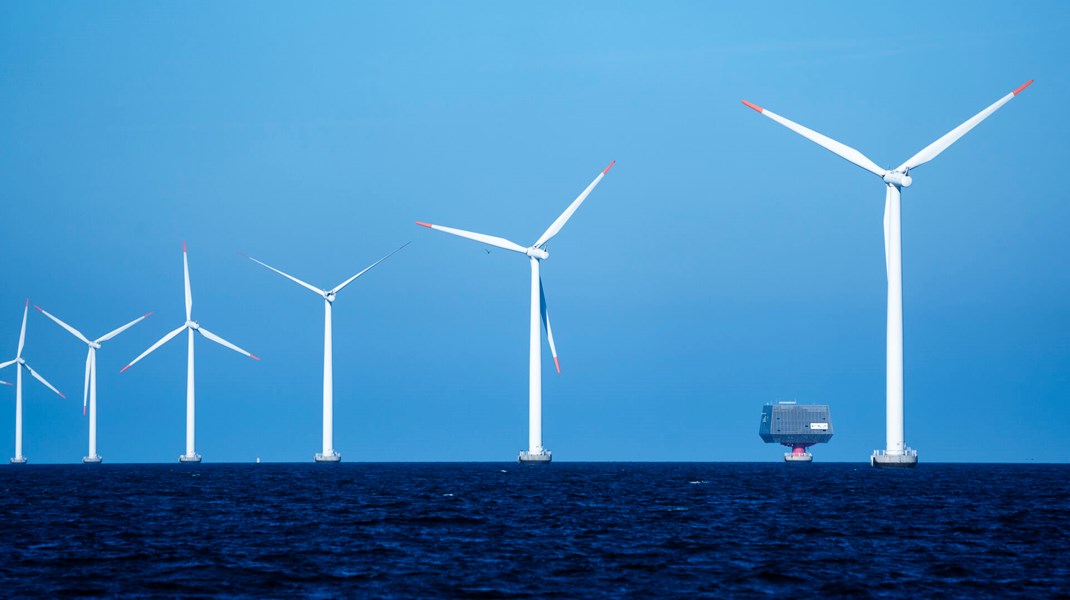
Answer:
(723, 263)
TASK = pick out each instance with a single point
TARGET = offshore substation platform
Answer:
(798, 426)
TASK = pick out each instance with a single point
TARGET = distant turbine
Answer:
(190, 456)
(536, 453)
(896, 453)
(21, 362)
(328, 454)
(90, 390)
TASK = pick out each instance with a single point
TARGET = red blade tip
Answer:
(6, 383)
(39, 308)
(422, 224)
(254, 357)
(27, 303)
(148, 314)
(61, 395)
(558, 365)
(124, 368)
(1022, 87)
(83, 410)
(609, 167)
(754, 106)
(183, 245)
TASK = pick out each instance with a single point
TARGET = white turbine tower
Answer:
(190, 326)
(328, 454)
(535, 453)
(19, 459)
(89, 392)
(896, 452)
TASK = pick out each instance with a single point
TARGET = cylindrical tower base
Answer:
(907, 460)
(534, 457)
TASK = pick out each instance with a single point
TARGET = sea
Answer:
(563, 530)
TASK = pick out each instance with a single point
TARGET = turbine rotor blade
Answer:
(88, 371)
(842, 150)
(290, 277)
(6, 383)
(4, 365)
(112, 334)
(353, 278)
(162, 341)
(38, 377)
(185, 273)
(71, 330)
(22, 335)
(479, 237)
(556, 226)
(934, 149)
(546, 324)
(215, 338)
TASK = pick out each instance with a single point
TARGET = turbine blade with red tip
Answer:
(934, 149)
(215, 338)
(161, 342)
(556, 226)
(71, 330)
(546, 325)
(369, 268)
(479, 237)
(38, 377)
(842, 150)
(116, 332)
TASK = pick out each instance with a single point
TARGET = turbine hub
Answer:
(329, 297)
(192, 325)
(538, 253)
(94, 345)
(898, 178)
(21, 360)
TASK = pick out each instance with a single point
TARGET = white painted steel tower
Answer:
(535, 453)
(329, 454)
(89, 392)
(896, 452)
(189, 326)
(20, 363)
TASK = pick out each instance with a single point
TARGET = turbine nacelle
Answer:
(538, 253)
(193, 325)
(94, 345)
(20, 360)
(330, 296)
(898, 178)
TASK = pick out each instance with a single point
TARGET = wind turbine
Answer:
(19, 459)
(328, 454)
(89, 392)
(535, 453)
(189, 326)
(896, 452)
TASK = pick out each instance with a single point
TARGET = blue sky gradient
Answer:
(723, 263)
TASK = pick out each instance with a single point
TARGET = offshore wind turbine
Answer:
(535, 453)
(89, 392)
(20, 363)
(896, 452)
(328, 454)
(189, 326)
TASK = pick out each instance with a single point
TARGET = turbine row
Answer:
(895, 454)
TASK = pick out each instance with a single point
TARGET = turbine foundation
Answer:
(907, 460)
(543, 456)
(92, 460)
(18, 460)
(190, 458)
(330, 457)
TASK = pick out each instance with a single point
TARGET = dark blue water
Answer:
(564, 530)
